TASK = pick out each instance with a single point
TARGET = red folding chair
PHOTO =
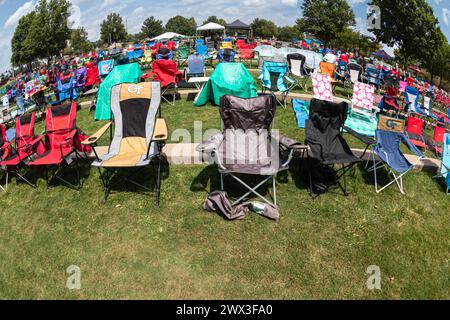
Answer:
(247, 54)
(414, 130)
(390, 100)
(166, 72)
(61, 139)
(438, 139)
(20, 150)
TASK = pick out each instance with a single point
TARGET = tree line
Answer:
(409, 25)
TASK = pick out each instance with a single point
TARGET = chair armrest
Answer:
(161, 132)
(292, 144)
(96, 136)
(364, 139)
(42, 136)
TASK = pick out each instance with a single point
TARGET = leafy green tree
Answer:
(182, 25)
(351, 40)
(325, 18)
(287, 33)
(152, 27)
(20, 53)
(439, 64)
(264, 28)
(411, 26)
(112, 29)
(79, 41)
(215, 20)
(49, 30)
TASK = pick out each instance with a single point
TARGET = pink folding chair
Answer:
(322, 87)
(363, 97)
(403, 85)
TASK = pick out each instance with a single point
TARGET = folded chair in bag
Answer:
(298, 70)
(274, 79)
(140, 134)
(21, 151)
(414, 131)
(327, 146)
(387, 154)
(166, 72)
(247, 146)
(61, 141)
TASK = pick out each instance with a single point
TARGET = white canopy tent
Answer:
(168, 36)
(211, 26)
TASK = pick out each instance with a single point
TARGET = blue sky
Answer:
(90, 13)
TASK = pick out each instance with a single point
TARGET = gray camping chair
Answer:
(247, 146)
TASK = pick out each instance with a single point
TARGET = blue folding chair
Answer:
(412, 101)
(373, 77)
(67, 89)
(444, 172)
(390, 157)
(226, 55)
(427, 103)
(203, 50)
(301, 110)
(195, 66)
(274, 79)
(199, 42)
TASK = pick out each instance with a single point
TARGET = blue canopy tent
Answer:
(383, 55)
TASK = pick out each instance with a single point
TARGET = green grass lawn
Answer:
(130, 248)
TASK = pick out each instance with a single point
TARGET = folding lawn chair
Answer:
(355, 71)
(444, 171)
(247, 146)
(67, 88)
(435, 143)
(21, 151)
(414, 131)
(427, 104)
(140, 134)
(195, 66)
(341, 73)
(183, 55)
(322, 87)
(328, 69)
(61, 140)
(363, 98)
(389, 101)
(412, 101)
(298, 71)
(203, 50)
(274, 78)
(246, 55)
(147, 59)
(327, 146)
(226, 55)
(373, 77)
(166, 72)
(387, 154)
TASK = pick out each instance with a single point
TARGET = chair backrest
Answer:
(342, 67)
(247, 114)
(196, 64)
(247, 144)
(199, 42)
(226, 55)
(355, 71)
(183, 52)
(25, 126)
(402, 85)
(296, 63)
(414, 125)
(327, 115)
(226, 45)
(247, 54)
(165, 72)
(272, 75)
(81, 76)
(105, 67)
(59, 122)
(373, 75)
(386, 123)
(363, 96)
(412, 97)
(327, 68)
(427, 104)
(135, 108)
(202, 49)
(446, 156)
(322, 87)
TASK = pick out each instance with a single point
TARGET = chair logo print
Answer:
(135, 89)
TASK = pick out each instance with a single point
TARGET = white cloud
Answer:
(289, 3)
(445, 15)
(2, 2)
(27, 7)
